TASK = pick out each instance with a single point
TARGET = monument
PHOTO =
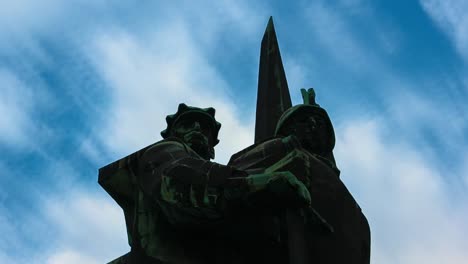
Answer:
(280, 200)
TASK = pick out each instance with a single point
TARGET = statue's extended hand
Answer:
(278, 190)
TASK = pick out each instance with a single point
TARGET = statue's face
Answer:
(311, 131)
(197, 134)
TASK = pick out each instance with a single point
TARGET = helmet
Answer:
(309, 108)
(185, 111)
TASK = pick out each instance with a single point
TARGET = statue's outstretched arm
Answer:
(194, 191)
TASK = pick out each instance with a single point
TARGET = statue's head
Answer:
(197, 127)
(310, 123)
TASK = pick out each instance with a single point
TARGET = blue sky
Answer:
(84, 83)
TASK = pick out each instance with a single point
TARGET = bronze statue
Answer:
(180, 207)
(278, 201)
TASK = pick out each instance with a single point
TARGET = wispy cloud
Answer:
(414, 113)
(88, 227)
(26, 15)
(421, 110)
(406, 199)
(16, 103)
(387, 149)
(452, 17)
(149, 77)
(72, 257)
(68, 221)
(333, 26)
(331, 29)
(9, 240)
(146, 78)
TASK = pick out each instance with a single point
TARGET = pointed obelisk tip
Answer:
(270, 25)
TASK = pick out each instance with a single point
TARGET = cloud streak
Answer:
(16, 103)
(149, 77)
(407, 201)
(89, 228)
(452, 17)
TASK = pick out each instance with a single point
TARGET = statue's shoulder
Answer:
(165, 150)
(167, 145)
(132, 258)
(119, 172)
